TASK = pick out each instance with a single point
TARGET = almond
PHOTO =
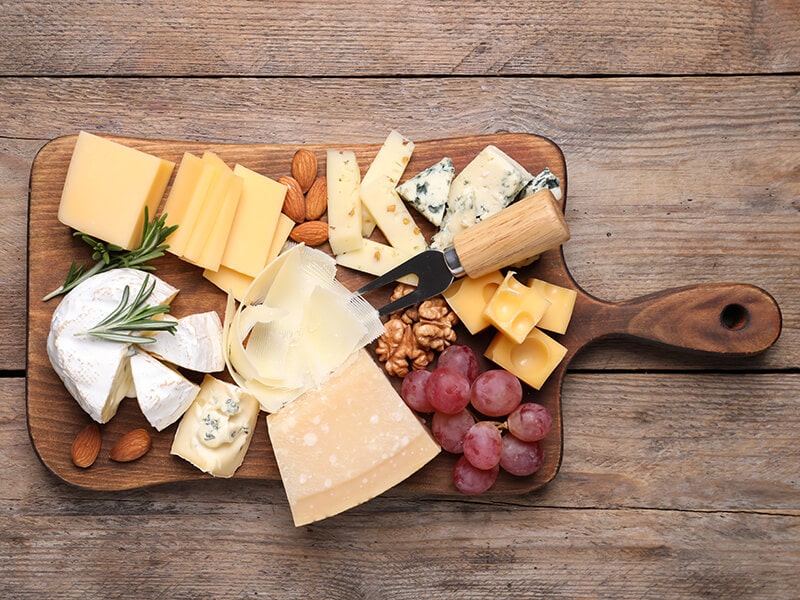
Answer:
(304, 168)
(317, 199)
(312, 233)
(131, 446)
(86, 446)
(294, 205)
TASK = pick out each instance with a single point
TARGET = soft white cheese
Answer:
(195, 345)
(163, 394)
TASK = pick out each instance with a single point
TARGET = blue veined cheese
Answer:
(215, 432)
(428, 190)
(460, 215)
(496, 179)
(545, 179)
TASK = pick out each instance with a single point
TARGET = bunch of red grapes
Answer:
(465, 404)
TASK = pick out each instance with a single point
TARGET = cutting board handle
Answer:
(731, 319)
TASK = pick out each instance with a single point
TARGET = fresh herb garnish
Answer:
(109, 256)
(127, 318)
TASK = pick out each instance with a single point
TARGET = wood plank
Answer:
(649, 207)
(479, 552)
(410, 38)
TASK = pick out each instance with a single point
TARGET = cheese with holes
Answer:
(562, 302)
(107, 188)
(163, 394)
(515, 309)
(532, 361)
(346, 442)
(215, 432)
(468, 298)
(344, 202)
(95, 371)
(383, 174)
(254, 225)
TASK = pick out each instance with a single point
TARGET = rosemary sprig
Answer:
(127, 318)
(109, 256)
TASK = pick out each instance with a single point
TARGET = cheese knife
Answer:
(515, 234)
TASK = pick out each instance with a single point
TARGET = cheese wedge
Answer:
(195, 345)
(346, 442)
(163, 394)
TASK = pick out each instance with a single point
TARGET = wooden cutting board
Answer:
(729, 319)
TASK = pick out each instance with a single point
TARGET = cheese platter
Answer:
(726, 319)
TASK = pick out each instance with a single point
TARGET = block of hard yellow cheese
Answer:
(468, 298)
(532, 361)
(215, 432)
(107, 188)
(562, 302)
(346, 442)
(229, 281)
(255, 222)
(515, 309)
(344, 202)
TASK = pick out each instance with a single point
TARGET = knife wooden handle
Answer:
(515, 234)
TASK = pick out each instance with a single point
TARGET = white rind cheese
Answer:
(346, 442)
(428, 190)
(96, 372)
(196, 343)
(215, 432)
(163, 394)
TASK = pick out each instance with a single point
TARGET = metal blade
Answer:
(434, 276)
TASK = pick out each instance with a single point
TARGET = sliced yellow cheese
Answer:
(386, 168)
(346, 442)
(107, 188)
(179, 240)
(229, 281)
(344, 202)
(375, 258)
(254, 225)
(186, 178)
(214, 248)
(282, 231)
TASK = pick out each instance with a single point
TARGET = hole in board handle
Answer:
(734, 317)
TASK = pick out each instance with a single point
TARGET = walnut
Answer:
(412, 335)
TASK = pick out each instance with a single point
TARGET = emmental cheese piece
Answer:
(532, 361)
(107, 188)
(346, 442)
(515, 309)
(562, 303)
(344, 202)
(215, 432)
(468, 298)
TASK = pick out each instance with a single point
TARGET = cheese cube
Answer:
(344, 201)
(468, 298)
(562, 302)
(107, 188)
(346, 442)
(215, 432)
(515, 308)
(254, 225)
(532, 361)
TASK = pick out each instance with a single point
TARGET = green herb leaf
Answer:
(129, 317)
(110, 256)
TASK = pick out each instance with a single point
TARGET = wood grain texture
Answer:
(415, 37)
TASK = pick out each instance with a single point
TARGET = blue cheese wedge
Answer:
(545, 179)
(494, 178)
(215, 432)
(428, 190)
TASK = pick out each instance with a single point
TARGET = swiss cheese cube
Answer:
(107, 188)
(468, 298)
(532, 361)
(346, 442)
(562, 302)
(515, 309)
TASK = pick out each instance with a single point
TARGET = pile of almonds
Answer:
(306, 199)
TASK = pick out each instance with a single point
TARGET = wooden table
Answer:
(680, 123)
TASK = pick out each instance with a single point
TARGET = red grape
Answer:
(482, 445)
(470, 480)
(530, 422)
(496, 393)
(449, 430)
(447, 390)
(460, 358)
(520, 458)
(413, 391)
